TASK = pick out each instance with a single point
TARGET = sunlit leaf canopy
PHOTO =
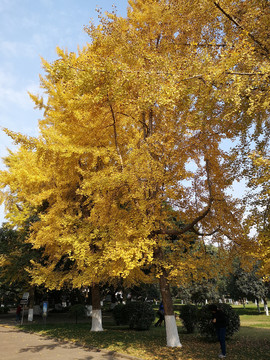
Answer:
(132, 135)
(259, 216)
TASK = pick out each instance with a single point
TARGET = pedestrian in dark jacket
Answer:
(220, 321)
(18, 313)
(160, 314)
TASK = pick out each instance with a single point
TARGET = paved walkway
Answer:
(18, 345)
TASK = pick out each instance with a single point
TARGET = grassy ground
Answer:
(252, 342)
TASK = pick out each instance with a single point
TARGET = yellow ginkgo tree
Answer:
(259, 214)
(133, 134)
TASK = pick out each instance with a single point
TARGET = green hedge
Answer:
(77, 311)
(120, 314)
(4, 309)
(189, 317)
(206, 326)
(138, 315)
(193, 318)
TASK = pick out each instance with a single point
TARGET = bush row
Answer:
(140, 315)
(201, 319)
(137, 315)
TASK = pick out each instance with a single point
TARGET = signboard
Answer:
(25, 297)
(23, 302)
(45, 308)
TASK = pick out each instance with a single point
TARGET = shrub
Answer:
(189, 317)
(77, 310)
(206, 326)
(120, 314)
(4, 309)
(141, 315)
(138, 315)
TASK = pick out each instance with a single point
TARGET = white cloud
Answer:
(20, 50)
(12, 92)
(18, 97)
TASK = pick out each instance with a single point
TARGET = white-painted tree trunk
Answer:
(30, 314)
(265, 305)
(96, 320)
(172, 332)
(170, 322)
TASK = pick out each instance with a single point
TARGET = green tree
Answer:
(243, 284)
(16, 256)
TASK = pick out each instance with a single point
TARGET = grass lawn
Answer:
(252, 342)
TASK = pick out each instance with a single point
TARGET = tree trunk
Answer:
(265, 307)
(31, 303)
(96, 311)
(258, 306)
(170, 322)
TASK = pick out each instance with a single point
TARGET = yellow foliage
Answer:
(133, 132)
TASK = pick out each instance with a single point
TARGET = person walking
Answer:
(19, 313)
(219, 320)
(160, 314)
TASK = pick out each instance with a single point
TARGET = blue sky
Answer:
(29, 30)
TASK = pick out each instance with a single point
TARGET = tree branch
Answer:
(231, 18)
(246, 74)
(205, 234)
(231, 239)
(115, 135)
(190, 226)
(203, 45)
